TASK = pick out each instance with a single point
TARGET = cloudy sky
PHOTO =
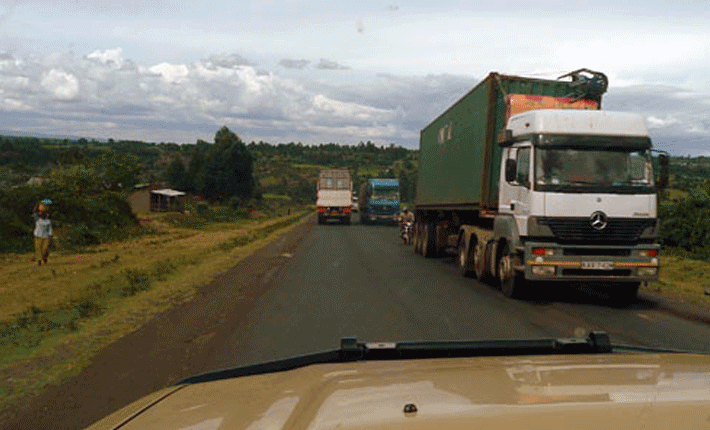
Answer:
(332, 70)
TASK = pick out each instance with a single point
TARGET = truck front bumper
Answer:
(383, 217)
(547, 261)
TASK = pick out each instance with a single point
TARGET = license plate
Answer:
(598, 265)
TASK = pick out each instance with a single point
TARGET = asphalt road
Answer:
(362, 281)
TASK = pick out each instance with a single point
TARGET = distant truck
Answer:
(379, 201)
(527, 180)
(335, 194)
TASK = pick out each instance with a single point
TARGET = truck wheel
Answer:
(346, 221)
(512, 282)
(623, 294)
(428, 241)
(321, 220)
(479, 263)
(465, 258)
(416, 239)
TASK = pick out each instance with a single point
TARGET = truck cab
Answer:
(380, 201)
(577, 199)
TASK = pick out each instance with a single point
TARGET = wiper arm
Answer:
(351, 350)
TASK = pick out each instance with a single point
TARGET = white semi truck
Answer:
(335, 196)
(533, 186)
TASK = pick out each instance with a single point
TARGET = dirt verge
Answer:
(173, 345)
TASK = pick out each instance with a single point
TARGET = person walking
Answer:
(42, 232)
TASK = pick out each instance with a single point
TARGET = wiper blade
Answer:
(351, 350)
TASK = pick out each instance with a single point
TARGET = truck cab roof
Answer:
(384, 182)
(577, 121)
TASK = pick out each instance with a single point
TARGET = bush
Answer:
(686, 223)
(202, 208)
(234, 202)
(86, 219)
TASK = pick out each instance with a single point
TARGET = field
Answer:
(53, 318)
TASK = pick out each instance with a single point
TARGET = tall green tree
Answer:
(229, 168)
(176, 174)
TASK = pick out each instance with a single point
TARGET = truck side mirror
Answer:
(663, 179)
(511, 169)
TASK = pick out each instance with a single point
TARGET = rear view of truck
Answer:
(335, 194)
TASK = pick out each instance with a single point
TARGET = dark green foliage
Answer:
(84, 218)
(686, 223)
(137, 281)
(228, 168)
(176, 175)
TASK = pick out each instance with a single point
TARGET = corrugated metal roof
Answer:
(168, 192)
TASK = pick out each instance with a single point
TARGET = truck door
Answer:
(515, 195)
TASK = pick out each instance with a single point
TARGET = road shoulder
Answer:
(171, 346)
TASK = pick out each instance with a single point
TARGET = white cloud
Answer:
(63, 85)
(323, 105)
(171, 73)
(112, 56)
(15, 104)
(656, 122)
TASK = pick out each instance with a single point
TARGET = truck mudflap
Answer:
(563, 262)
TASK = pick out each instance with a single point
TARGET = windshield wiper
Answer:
(351, 350)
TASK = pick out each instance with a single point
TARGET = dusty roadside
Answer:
(174, 344)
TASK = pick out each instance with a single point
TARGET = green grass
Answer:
(52, 321)
(276, 196)
(308, 166)
(683, 279)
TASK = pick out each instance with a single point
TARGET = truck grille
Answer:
(578, 229)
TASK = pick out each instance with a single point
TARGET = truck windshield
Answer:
(387, 194)
(570, 169)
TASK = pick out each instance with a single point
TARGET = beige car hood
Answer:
(621, 391)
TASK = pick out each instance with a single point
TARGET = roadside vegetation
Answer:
(55, 317)
(684, 212)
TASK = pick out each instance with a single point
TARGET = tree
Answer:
(228, 168)
(177, 174)
(117, 171)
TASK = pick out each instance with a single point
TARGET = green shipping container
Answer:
(459, 159)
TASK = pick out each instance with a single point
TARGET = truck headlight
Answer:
(647, 271)
(543, 270)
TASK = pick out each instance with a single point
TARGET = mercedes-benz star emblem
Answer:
(598, 220)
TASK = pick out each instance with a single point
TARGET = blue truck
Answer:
(379, 201)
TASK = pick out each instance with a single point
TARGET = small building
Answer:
(155, 198)
(165, 200)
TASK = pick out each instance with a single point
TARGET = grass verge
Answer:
(683, 279)
(54, 318)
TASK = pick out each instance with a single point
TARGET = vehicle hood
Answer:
(623, 391)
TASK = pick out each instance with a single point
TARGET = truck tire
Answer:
(465, 259)
(479, 263)
(512, 282)
(623, 294)
(416, 239)
(346, 221)
(429, 240)
(321, 220)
